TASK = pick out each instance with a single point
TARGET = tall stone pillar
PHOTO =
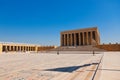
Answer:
(96, 38)
(1, 48)
(79, 39)
(6, 49)
(83, 38)
(24, 48)
(91, 37)
(74, 39)
(67, 39)
(21, 48)
(13, 48)
(71, 39)
(61, 40)
(87, 38)
(36, 49)
(9, 48)
(64, 40)
(29, 48)
(16, 48)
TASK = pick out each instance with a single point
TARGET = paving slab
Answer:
(110, 66)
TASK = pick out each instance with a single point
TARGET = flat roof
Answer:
(13, 43)
(82, 29)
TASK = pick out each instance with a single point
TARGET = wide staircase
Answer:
(77, 48)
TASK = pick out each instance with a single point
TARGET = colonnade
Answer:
(17, 48)
(25, 48)
(79, 38)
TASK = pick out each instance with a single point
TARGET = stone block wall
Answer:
(109, 47)
(44, 48)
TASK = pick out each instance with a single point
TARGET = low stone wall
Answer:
(16, 47)
(44, 48)
(109, 47)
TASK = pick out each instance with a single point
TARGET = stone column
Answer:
(10, 48)
(83, 38)
(16, 48)
(23, 48)
(64, 40)
(26, 48)
(67, 39)
(61, 39)
(30, 48)
(6, 49)
(1, 48)
(91, 37)
(71, 40)
(13, 48)
(87, 38)
(79, 39)
(74, 39)
(96, 38)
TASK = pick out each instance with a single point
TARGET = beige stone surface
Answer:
(26, 66)
(109, 47)
(110, 66)
(18, 47)
(80, 37)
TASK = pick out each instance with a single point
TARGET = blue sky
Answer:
(40, 21)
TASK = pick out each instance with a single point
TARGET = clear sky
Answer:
(40, 21)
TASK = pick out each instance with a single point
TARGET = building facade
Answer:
(80, 37)
(16, 47)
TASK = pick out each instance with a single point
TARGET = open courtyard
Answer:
(68, 65)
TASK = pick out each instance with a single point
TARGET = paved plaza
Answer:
(111, 66)
(41, 66)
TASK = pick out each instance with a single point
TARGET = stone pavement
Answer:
(110, 66)
(25, 66)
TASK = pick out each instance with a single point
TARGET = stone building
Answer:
(17, 47)
(80, 37)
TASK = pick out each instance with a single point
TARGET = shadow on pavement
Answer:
(69, 69)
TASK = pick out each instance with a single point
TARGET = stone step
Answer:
(78, 48)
